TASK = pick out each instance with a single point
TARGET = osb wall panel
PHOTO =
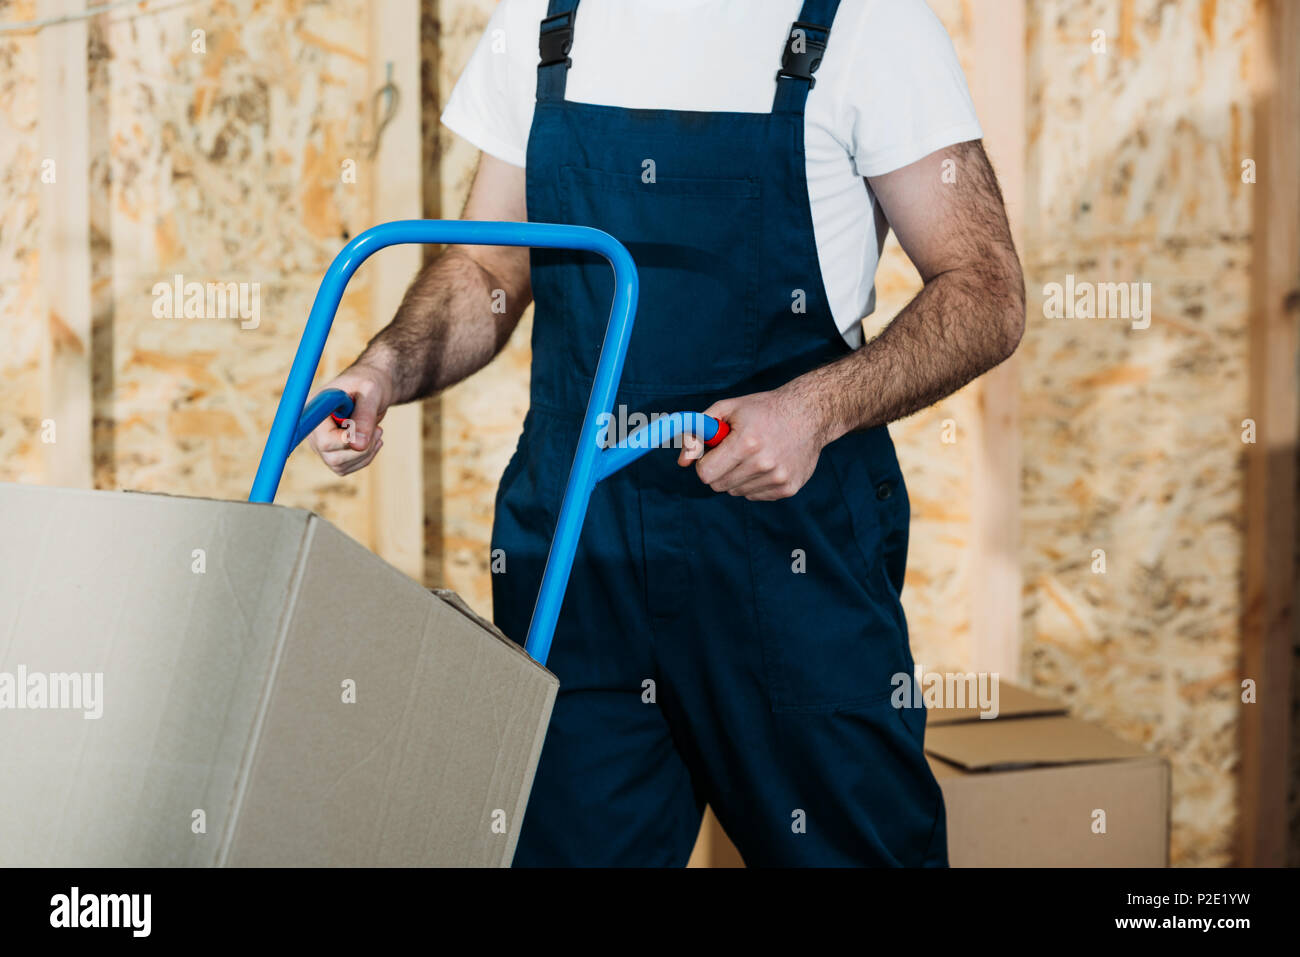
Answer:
(20, 292)
(226, 166)
(1132, 437)
(220, 164)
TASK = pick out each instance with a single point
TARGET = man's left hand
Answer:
(769, 454)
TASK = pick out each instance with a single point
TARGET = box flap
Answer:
(1012, 702)
(451, 598)
(1027, 742)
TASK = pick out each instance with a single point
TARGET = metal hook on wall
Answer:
(390, 96)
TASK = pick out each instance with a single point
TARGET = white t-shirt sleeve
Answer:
(491, 104)
(905, 95)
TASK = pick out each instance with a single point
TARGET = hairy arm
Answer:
(456, 316)
(446, 328)
(968, 318)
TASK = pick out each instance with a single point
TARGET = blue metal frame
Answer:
(591, 463)
(330, 402)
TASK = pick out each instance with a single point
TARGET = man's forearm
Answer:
(948, 214)
(962, 324)
(453, 320)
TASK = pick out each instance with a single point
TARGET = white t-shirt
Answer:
(889, 92)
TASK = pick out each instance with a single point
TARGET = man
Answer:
(732, 627)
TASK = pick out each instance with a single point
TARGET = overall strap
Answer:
(803, 55)
(554, 43)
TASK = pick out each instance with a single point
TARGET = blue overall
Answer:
(710, 649)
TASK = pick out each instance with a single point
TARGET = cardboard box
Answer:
(269, 693)
(1024, 789)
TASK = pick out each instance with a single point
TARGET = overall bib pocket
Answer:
(693, 335)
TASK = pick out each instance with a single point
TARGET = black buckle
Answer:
(556, 39)
(801, 65)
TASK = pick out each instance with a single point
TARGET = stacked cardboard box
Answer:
(1035, 787)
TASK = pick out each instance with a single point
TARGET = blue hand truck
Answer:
(295, 418)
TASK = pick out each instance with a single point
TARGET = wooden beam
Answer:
(67, 407)
(397, 485)
(997, 81)
(1268, 622)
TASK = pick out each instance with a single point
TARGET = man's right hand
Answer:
(345, 450)
(448, 326)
